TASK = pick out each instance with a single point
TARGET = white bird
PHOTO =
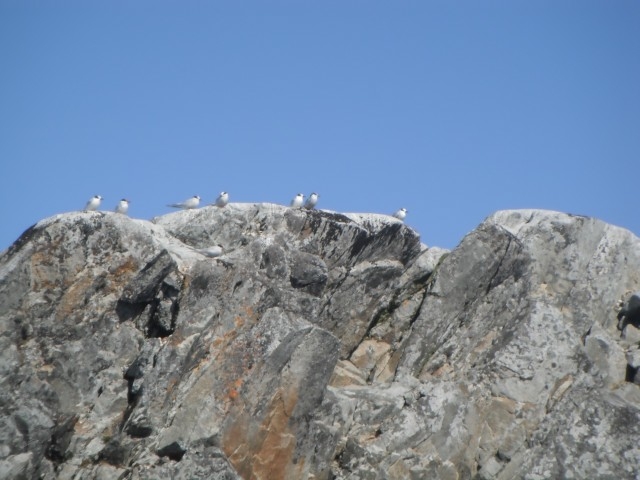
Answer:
(222, 199)
(311, 201)
(192, 202)
(93, 203)
(211, 252)
(401, 214)
(297, 201)
(123, 206)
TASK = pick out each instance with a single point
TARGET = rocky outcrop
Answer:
(319, 345)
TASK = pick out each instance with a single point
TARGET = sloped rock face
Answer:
(319, 345)
(513, 367)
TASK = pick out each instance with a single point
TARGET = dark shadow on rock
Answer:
(174, 451)
(631, 374)
(156, 288)
(139, 430)
(630, 313)
(60, 438)
(308, 273)
(114, 453)
(145, 285)
(128, 311)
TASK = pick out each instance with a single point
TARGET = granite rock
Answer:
(318, 345)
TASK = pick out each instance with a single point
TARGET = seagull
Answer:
(123, 206)
(222, 199)
(297, 201)
(193, 202)
(93, 203)
(211, 252)
(401, 214)
(311, 201)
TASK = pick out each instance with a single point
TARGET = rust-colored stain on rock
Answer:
(46, 272)
(262, 449)
(125, 269)
(233, 391)
(73, 298)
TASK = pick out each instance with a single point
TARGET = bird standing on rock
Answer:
(123, 206)
(311, 201)
(222, 199)
(297, 201)
(401, 214)
(93, 203)
(193, 202)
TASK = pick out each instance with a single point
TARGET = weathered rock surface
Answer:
(319, 345)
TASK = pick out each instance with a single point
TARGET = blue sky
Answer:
(451, 109)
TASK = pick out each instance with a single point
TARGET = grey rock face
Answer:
(318, 345)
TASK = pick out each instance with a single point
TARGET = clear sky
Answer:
(452, 109)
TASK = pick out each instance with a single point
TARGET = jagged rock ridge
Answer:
(319, 345)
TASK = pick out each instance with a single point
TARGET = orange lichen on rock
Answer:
(234, 389)
(73, 298)
(265, 450)
(125, 269)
